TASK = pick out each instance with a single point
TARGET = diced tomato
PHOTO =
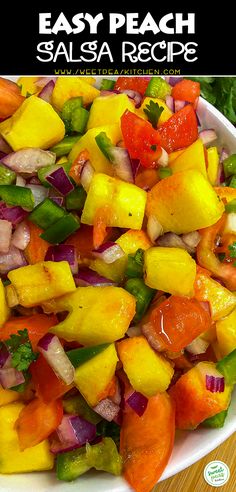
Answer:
(48, 386)
(37, 247)
(83, 242)
(10, 98)
(176, 322)
(146, 442)
(180, 130)
(138, 84)
(37, 326)
(141, 140)
(37, 421)
(77, 165)
(186, 90)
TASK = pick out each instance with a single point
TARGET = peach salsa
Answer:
(118, 274)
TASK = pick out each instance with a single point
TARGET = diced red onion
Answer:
(154, 228)
(86, 277)
(135, 96)
(224, 155)
(2, 155)
(58, 200)
(12, 214)
(52, 350)
(220, 175)
(63, 252)
(11, 296)
(20, 181)
(178, 104)
(42, 81)
(34, 180)
(29, 160)
(107, 409)
(105, 92)
(134, 331)
(207, 136)
(39, 193)
(171, 240)
(5, 357)
(72, 433)
(170, 103)
(122, 164)
(5, 235)
(46, 92)
(163, 159)
(137, 402)
(173, 80)
(12, 260)
(150, 334)
(86, 175)
(191, 239)
(60, 181)
(4, 147)
(109, 252)
(215, 384)
(135, 163)
(197, 346)
(10, 377)
(21, 236)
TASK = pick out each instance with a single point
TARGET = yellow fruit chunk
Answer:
(37, 283)
(130, 241)
(220, 299)
(213, 164)
(148, 372)
(12, 460)
(165, 115)
(191, 158)
(93, 377)
(96, 314)
(68, 87)
(184, 202)
(226, 333)
(28, 85)
(8, 396)
(170, 269)
(174, 155)
(107, 110)
(126, 202)
(34, 124)
(87, 142)
(4, 309)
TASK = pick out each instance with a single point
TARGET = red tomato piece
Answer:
(146, 442)
(37, 421)
(176, 322)
(138, 84)
(48, 386)
(180, 130)
(186, 90)
(141, 140)
(37, 325)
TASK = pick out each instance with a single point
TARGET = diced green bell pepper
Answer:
(227, 366)
(230, 206)
(142, 293)
(46, 213)
(79, 120)
(81, 355)
(75, 199)
(104, 456)
(216, 421)
(109, 429)
(105, 144)
(158, 87)
(17, 195)
(70, 106)
(229, 165)
(76, 405)
(72, 464)
(65, 145)
(7, 176)
(107, 85)
(134, 267)
(61, 230)
(232, 183)
(164, 172)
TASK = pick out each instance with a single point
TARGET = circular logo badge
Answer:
(216, 473)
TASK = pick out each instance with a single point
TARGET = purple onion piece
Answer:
(170, 103)
(58, 200)
(10, 377)
(135, 163)
(12, 260)
(63, 252)
(87, 277)
(135, 96)
(5, 357)
(137, 402)
(207, 136)
(60, 181)
(223, 155)
(29, 160)
(46, 92)
(51, 349)
(122, 164)
(109, 252)
(178, 104)
(4, 147)
(12, 214)
(72, 433)
(215, 384)
(107, 409)
(173, 80)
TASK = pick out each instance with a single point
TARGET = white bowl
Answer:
(190, 446)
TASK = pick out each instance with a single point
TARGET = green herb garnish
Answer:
(21, 350)
(153, 112)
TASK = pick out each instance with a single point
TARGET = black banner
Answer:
(96, 41)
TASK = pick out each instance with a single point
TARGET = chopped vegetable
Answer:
(217, 421)
(65, 146)
(227, 366)
(142, 293)
(7, 177)
(17, 195)
(60, 230)
(46, 214)
(158, 87)
(76, 198)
